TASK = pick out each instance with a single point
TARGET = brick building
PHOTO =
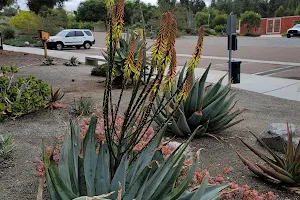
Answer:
(276, 25)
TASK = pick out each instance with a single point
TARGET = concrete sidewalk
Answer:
(277, 87)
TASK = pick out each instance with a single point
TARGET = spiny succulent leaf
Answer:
(102, 177)
(183, 125)
(201, 87)
(90, 157)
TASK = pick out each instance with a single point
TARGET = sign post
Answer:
(44, 36)
(231, 29)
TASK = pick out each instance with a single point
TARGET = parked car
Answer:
(71, 38)
(294, 31)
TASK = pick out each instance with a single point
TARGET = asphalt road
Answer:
(267, 56)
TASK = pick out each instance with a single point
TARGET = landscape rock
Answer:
(276, 136)
(27, 43)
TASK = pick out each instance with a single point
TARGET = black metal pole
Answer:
(1, 42)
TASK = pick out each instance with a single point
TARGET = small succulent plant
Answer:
(55, 98)
(72, 62)
(7, 145)
(284, 171)
(84, 106)
(48, 61)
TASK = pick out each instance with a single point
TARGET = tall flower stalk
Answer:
(143, 95)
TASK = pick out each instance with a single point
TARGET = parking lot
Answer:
(266, 56)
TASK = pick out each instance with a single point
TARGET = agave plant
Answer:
(212, 104)
(83, 170)
(48, 61)
(285, 171)
(55, 98)
(73, 62)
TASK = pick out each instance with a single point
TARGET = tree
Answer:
(213, 4)
(37, 5)
(166, 5)
(91, 11)
(201, 18)
(273, 5)
(9, 12)
(297, 11)
(196, 5)
(250, 19)
(4, 3)
(224, 5)
(220, 20)
(280, 12)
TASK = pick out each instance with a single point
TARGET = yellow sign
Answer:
(43, 35)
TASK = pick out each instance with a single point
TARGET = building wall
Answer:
(286, 23)
(260, 30)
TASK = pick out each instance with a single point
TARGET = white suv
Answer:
(70, 38)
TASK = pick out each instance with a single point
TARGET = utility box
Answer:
(236, 71)
(43, 35)
(233, 42)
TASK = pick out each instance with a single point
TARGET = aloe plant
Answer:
(115, 170)
(83, 170)
(122, 54)
(212, 104)
(284, 171)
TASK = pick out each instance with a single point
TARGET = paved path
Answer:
(278, 87)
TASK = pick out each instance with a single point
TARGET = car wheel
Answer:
(59, 46)
(78, 47)
(288, 36)
(87, 45)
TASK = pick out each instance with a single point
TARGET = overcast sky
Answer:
(73, 4)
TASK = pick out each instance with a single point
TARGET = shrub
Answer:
(20, 41)
(8, 33)
(22, 96)
(219, 28)
(209, 32)
(100, 70)
(179, 34)
(7, 145)
(251, 35)
(26, 22)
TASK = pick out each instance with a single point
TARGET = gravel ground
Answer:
(17, 176)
